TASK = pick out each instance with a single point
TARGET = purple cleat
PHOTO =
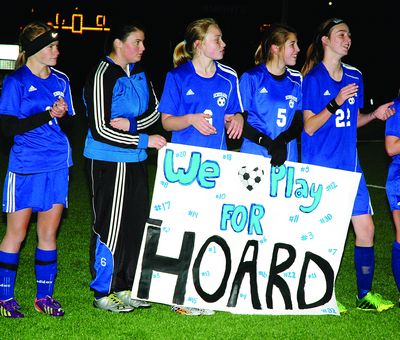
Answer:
(49, 306)
(10, 308)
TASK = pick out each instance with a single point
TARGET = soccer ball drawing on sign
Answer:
(250, 178)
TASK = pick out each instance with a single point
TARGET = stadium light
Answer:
(8, 56)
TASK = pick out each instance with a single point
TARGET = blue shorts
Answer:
(37, 191)
(393, 187)
(362, 203)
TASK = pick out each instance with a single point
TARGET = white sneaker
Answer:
(125, 297)
(111, 303)
(191, 311)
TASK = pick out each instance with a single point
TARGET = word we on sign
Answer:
(229, 232)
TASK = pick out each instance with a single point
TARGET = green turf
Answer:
(82, 321)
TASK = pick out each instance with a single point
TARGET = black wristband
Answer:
(244, 114)
(332, 106)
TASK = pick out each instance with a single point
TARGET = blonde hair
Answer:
(29, 33)
(196, 30)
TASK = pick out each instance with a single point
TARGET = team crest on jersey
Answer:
(221, 98)
(352, 100)
(292, 100)
(58, 94)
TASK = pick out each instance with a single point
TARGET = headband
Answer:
(327, 28)
(34, 46)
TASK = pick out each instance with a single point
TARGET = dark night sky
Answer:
(375, 31)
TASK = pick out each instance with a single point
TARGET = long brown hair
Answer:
(315, 51)
(277, 35)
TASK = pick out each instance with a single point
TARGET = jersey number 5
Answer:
(281, 118)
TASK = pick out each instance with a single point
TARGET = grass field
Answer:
(82, 321)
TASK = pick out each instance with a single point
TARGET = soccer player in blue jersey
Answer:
(271, 95)
(392, 145)
(200, 102)
(333, 95)
(35, 103)
(122, 112)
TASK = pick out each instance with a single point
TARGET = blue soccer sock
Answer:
(8, 272)
(396, 263)
(46, 271)
(364, 260)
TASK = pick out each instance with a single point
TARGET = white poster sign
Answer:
(229, 232)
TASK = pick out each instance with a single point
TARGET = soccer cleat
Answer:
(112, 304)
(125, 297)
(10, 308)
(374, 302)
(342, 308)
(49, 306)
(191, 311)
(204, 311)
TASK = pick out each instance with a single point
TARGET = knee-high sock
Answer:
(46, 271)
(364, 260)
(8, 272)
(396, 263)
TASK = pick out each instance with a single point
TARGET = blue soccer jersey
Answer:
(393, 177)
(334, 144)
(110, 93)
(187, 92)
(45, 148)
(271, 104)
(393, 126)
